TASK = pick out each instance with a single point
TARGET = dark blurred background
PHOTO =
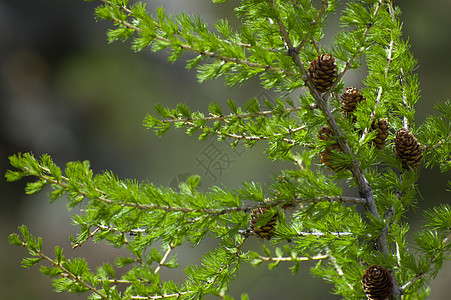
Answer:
(66, 92)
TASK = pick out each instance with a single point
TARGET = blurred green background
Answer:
(66, 92)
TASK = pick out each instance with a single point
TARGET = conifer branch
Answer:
(350, 61)
(164, 258)
(164, 296)
(315, 24)
(190, 122)
(214, 212)
(319, 234)
(269, 45)
(387, 70)
(65, 271)
(209, 54)
(287, 259)
(338, 268)
(91, 235)
(431, 261)
(232, 115)
(130, 13)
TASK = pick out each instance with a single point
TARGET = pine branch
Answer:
(232, 115)
(209, 54)
(65, 271)
(108, 228)
(165, 257)
(320, 14)
(188, 121)
(350, 61)
(320, 234)
(64, 183)
(338, 268)
(91, 235)
(431, 261)
(130, 13)
(287, 259)
(387, 70)
(164, 296)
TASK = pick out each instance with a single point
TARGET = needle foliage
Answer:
(310, 217)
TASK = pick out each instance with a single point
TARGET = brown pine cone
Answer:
(327, 158)
(325, 133)
(327, 155)
(265, 231)
(407, 149)
(350, 98)
(377, 283)
(382, 127)
(323, 72)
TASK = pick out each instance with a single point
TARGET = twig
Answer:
(164, 296)
(66, 272)
(302, 258)
(201, 52)
(163, 259)
(190, 122)
(387, 70)
(318, 234)
(315, 24)
(91, 234)
(243, 45)
(420, 275)
(225, 118)
(338, 269)
(352, 58)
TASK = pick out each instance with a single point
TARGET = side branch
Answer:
(446, 240)
(210, 54)
(353, 57)
(225, 118)
(302, 258)
(214, 212)
(66, 272)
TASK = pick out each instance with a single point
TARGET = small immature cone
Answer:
(323, 72)
(267, 230)
(407, 149)
(382, 128)
(349, 100)
(377, 283)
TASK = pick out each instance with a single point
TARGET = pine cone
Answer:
(377, 283)
(382, 128)
(350, 98)
(408, 149)
(327, 156)
(323, 72)
(265, 231)
(325, 133)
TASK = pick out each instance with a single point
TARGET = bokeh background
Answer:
(66, 92)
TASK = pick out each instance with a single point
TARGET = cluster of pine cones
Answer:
(376, 281)
(323, 73)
